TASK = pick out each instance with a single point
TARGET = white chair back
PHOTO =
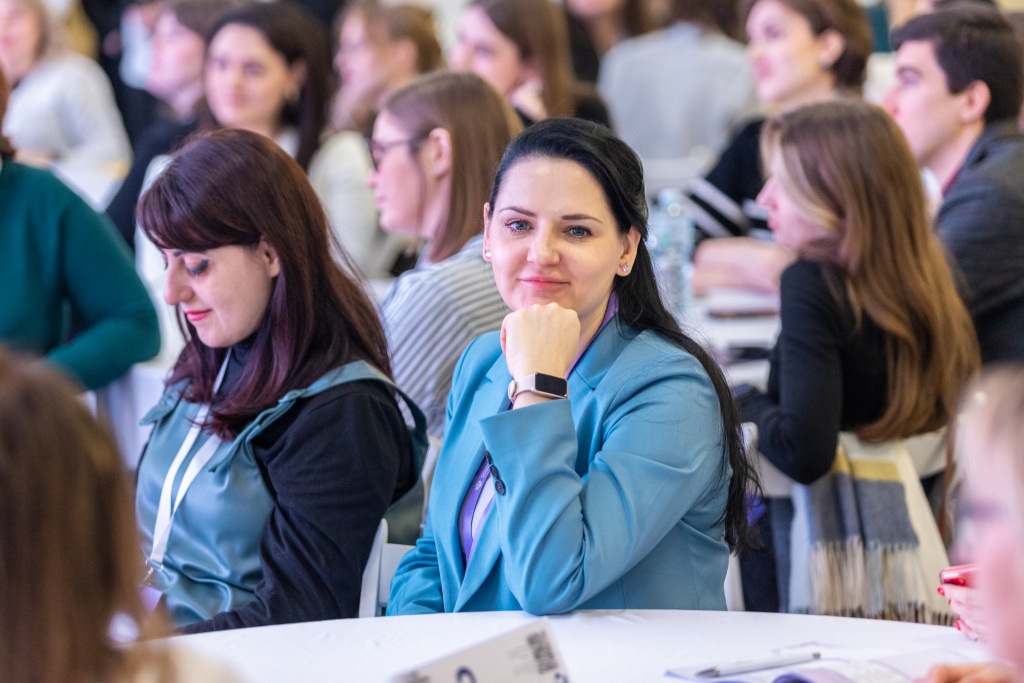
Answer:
(384, 560)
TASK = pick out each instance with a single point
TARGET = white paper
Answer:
(526, 655)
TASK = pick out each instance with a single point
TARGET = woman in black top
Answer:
(875, 339)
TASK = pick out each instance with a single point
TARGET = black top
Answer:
(826, 375)
(726, 200)
(589, 107)
(161, 137)
(333, 464)
(980, 221)
(586, 63)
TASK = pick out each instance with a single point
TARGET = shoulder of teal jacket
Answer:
(631, 363)
(477, 361)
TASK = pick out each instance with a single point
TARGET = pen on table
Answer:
(756, 665)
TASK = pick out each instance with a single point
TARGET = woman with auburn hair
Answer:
(279, 411)
(801, 51)
(380, 49)
(268, 71)
(436, 145)
(68, 549)
(592, 457)
(62, 113)
(521, 47)
(875, 339)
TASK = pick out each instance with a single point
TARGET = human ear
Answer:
(830, 48)
(297, 73)
(440, 144)
(268, 256)
(403, 54)
(976, 99)
(630, 243)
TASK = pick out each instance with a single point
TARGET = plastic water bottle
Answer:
(670, 243)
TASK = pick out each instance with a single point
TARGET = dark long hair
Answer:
(849, 20)
(6, 148)
(298, 37)
(618, 171)
(233, 187)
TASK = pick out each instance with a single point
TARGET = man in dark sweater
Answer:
(959, 89)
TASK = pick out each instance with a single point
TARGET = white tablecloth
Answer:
(619, 646)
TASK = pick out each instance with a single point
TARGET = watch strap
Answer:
(540, 384)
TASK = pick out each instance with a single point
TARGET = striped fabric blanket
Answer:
(864, 541)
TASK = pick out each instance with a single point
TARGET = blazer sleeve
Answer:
(416, 584)
(979, 223)
(565, 537)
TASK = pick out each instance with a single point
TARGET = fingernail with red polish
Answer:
(957, 625)
(942, 591)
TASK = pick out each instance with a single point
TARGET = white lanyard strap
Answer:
(165, 512)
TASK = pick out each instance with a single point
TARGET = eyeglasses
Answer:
(378, 149)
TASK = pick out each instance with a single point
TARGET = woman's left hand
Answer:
(963, 600)
(540, 338)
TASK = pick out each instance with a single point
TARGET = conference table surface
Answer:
(606, 645)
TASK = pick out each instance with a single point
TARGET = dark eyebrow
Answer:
(567, 217)
(177, 252)
(517, 209)
(580, 217)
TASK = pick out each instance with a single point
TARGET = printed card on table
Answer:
(526, 655)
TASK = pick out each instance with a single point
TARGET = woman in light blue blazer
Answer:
(592, 457)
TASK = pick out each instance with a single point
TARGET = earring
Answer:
(487, 255)
(625, 267)
(825, 63)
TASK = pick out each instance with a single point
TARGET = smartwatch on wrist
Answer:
(540, 384)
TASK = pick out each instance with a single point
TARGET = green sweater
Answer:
(62, 266)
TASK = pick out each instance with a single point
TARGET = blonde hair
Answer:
(481, 125)
(69, 554)
(849, 170)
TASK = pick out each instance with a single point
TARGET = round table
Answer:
(608, 645)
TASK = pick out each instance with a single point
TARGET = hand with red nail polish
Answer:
(964, 603)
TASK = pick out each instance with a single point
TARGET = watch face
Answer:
(549, 384)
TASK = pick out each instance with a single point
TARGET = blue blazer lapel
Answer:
(492, 397)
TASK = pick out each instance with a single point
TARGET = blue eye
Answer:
(517, 225)
(579, 232)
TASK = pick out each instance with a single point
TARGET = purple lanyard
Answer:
(472, 497)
